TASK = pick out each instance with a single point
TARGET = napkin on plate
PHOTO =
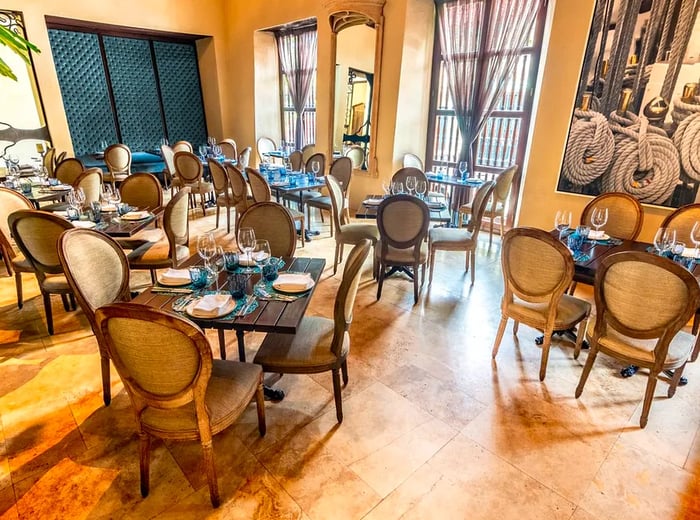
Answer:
(597, 235)
(372, 202)
(296, 282)
(109, 208)
(211, 305)
(688, 252)
(135, 215)
(87, 224)
(174, 276)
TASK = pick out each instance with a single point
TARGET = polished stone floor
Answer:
(433, 427)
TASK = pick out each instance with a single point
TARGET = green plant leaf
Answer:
(6, 71)
(18, 45)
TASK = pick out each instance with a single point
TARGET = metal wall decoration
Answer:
(636, 125)
(23, 131)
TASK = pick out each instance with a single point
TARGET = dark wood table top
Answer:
(119, 228)
(270, 316)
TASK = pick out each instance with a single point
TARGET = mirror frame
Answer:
(341, 15)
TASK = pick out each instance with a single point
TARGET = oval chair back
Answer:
(229, 149)
(272, 222)
(625, 214)
(143, 191)
(259, 187)
(68, 170)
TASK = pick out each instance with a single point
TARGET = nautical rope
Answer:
(666, 31)
(684, 28)
(651, 37)
(687, 136)
(646, 163)
(589, 149)
(596, 25)
(681, 110)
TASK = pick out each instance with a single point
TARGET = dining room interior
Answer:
(342, 261)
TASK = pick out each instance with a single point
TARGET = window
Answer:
(297, 58)
(501, 141)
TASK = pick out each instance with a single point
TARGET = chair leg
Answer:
(677, 374)
(18, 286)
(335, 259)
(580, 334)
(648, 398)
(696, 349)
(303, 231)
(344, 370)
(66, 304)
(516, 325)
(472, 261)
(415, 284)
(545, 353)
(432, 264)
(153, 276)
(499, 336)
(381, 280)
(338, 396)
(228, 219)
(71, 300)
(592, 353)
(260, 406)
(106, 389)
(47, 309)
(145, 461)
(208, 453)
(493, 217)
(222, 343)
(218, 210)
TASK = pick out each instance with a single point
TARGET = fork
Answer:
(181, 303)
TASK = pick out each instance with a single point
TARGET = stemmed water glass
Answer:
(562, 221)
(421, 188)
(462, 167)
(396, 188)
(217, 264)
(246, 243)
(386, 186)
(695, 237)
(599, 218)
(315, 167)
(664, 240)
(411, 184)
(206, 247)
(80, 198)
(261, 253)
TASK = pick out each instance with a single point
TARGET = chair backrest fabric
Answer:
(296, 160)
(481, 199)
(259, 187)
(183, 146)
(188, 167)
(625, 214)
(218, 176)
(272, 222)
(239, 188)
(118, 159)
(10, 201)
(682, 220)
(321, 160)
(91, 183)
(335, 192)
(307, 151)
(36, 233)
(143, 191)
(356, 155)
(168, 158)
(504, 181)
(341, 169)
(229, 149)
(68, 170)
(175, 221)
(408, 171)
(244, 158)
(265, 146)
(403, 223)
(49, 161)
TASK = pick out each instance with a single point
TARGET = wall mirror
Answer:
(636, 124)
(356, 49)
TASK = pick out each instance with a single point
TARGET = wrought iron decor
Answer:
(23, 131)
(636, 125)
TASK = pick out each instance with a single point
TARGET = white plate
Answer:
(86, 224)
(372, 202)
(304, 282)
(59, 188)
(173, 283)
(603, 237)
(226, 310)
(136, 215)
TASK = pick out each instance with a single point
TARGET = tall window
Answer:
(481, 63)
(297, 57)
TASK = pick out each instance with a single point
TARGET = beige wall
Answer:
(569, 22)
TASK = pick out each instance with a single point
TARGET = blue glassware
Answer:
(199, 276)
(575, 242)
(237, 284)
(231, 260)
(270, 271)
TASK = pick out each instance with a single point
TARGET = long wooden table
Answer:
(270, 316)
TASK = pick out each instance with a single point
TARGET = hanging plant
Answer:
(18, 45)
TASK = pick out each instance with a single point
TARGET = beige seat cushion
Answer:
(55, 283)
(201, 187)
(119, 177)
(142, 237)
(353, 233)
(221, 199)
(643, 349)
(569, 311)
(442, 237)
(230, 389)
(402, 256)
(156, 253)
(310, 347)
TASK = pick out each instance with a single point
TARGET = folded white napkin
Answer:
(296, 282)
(688, 252)
(135, 215)
(61, 213)
(596, 235)
(175, 276)
(87, 224)
(372, 202)
(109, 208)
(211, 305)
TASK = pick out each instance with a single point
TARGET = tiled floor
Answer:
(433, 427)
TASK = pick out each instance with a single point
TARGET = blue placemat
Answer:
(254, 269)
(179, 306)
(264, 289)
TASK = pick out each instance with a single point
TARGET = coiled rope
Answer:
(687, 136)
(683, 30)
(589, 149)
(646, 163)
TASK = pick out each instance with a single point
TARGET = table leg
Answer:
(271, 394)
(222, 344)
(241, 345)
(630, 370)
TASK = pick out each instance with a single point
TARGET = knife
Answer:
(170, 290)
(249, 301)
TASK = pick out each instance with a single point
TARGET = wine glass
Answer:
(410, 184)
(206, 247)
(261, 253)
(386, 186)
(315, 167)
(562, 221)
(80, 198)
(462, 167)
(246, 243)
(421, 188)
(599, 218)
(396, 188)
(217, 264)
(664, 240)
(695, 238)
(106, 194)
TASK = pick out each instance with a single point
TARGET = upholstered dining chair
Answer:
(410, 171)
(244, 158)
(455, 239)
(261, 192)
(239, 190)
(169, 172)
(403, 226)
(142, 190)
(36, 234)
(341, 169)
(15, 262)
(356, 155)
(97, 271)
(176, 388)
(345, 232)
(173, 248)
(625, 214)
(49, 161)
(183, 146)
(118, 161)
(68, 170)
(307, 151)
(272, 222)
(320, 344)
(413, 161)
(190, 171)
(537, 269)
(229, 149)
(497, 203)
(222, 191)
(296, 161)
(265, 145)
(306, 195)
(90, 181)
(642, 302)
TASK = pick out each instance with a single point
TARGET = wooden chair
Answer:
(173, 248)
(190, 171)
(272, 222)
(260, 189)
(170, 173)
(413, 161)
(90, 181)
(68, 170)
(118, 161)
(642, 302)
(357, 156)
(36, 234)
(177, 390)
(49, 161)
(341, 170)
(97, 271)
(229, 149)
(348, 233)
(183, 146)
(320, 344)
(296, 161)
(265, 145)
(307, 195)
(15, 262)
(222, 191)
(244, 158)
(625, 214)
(142, 191)
(454, 239)
(496, 207)
(537, 269)
(239, 190)
(403, 226)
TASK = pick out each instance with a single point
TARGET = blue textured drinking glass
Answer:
(575, 242)
(231, 261)
(237, 284)
(270, 270)
(199, 276)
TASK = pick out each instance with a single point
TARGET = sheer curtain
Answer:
(477, 40)
(297, 54)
